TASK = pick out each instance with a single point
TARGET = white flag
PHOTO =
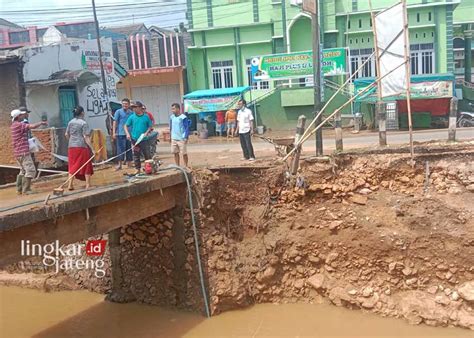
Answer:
(390, 41)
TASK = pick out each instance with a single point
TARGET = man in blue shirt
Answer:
(179, 130)
(118, 133)
(137, 124)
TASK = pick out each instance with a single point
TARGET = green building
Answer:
(226, 34)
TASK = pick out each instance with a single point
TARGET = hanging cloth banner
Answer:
(391, 49)
(211, 104)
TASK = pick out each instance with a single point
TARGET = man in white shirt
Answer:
(245, 130)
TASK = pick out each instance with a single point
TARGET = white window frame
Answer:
(418, 57)
(358, 56)
(257, 85)
(223, 69)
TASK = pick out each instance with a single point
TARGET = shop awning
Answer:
(216, 92)
(211, 100)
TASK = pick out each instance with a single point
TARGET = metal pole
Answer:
(317, 79)
(379, 106)
(407, 71)
(102, 72)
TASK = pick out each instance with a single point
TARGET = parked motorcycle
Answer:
(465, 119)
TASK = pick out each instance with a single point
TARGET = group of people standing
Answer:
(133, 132)
(133, 135)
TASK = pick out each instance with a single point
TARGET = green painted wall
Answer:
(440, 39)
(464, 12)
(432, 21)
(301, 35)
(195, 67)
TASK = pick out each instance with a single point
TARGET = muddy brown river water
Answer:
(31, 313)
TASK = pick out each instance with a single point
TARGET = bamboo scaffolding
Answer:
(304, 138)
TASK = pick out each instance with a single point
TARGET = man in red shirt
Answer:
(220, 120)
(21, 149)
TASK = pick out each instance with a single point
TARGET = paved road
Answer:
(350, 141)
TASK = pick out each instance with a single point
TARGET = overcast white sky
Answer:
(163, 13)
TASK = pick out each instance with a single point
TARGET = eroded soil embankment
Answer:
(366, 232)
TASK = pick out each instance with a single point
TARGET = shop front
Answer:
(430, 102)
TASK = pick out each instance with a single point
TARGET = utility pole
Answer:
(108, 120)
(317, 83)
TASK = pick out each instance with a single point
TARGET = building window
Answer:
(417, 17)
(370, 22)
(357, 58)
(422, 58)
(257, 84)
(360, 23)
(349, 24)
(414, 63)
(19, 37)
(222, 74)
(429, 16)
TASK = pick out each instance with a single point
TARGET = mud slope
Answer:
(365, 231)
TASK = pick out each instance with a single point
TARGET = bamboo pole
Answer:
(305, 137)
(407, 74)
(379, 109)
(334, 95)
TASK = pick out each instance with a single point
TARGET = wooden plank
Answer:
(74, 227)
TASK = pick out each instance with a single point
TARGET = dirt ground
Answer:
(363, 230)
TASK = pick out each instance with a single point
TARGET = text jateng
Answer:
(64, 258)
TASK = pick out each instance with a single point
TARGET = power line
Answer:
(117, 6)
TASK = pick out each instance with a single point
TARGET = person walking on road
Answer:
(179, 130)
(230, 120)
(21, 149)
(245, 130)
(138, 124)
(80, 148)
(118, 133)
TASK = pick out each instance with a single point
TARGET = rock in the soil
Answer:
(316, 281)
(365, 191)
(367, 292)
(404, 179)
(334, 225)
(455, 296)
(470, 187)
(299, 283)
(466, 291)
(454, 190)
(369, 303)
(139, 235)
(359, 199)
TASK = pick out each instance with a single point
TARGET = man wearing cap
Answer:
(21, 149)
(140, 124)
(118, 133)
